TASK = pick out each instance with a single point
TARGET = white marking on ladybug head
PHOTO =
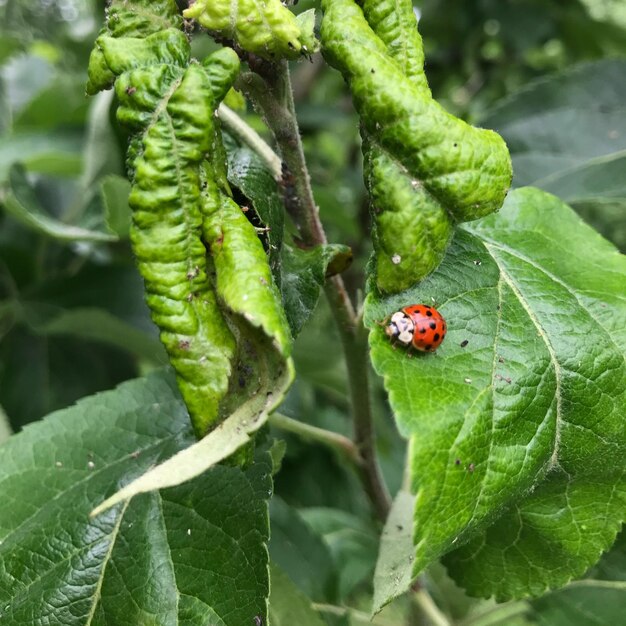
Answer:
(400, 327)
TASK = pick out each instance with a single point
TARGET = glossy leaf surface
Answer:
(193, 554)
(516, 424)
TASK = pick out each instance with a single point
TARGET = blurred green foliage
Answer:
(72, 318)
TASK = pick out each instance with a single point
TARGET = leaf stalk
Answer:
(273, 97)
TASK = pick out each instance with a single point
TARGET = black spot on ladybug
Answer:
(436, 337)
(429, 347)
(464, 343)
(433, 325)
(423, 330)
(429, 313)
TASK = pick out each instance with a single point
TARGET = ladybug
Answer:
(418, 326)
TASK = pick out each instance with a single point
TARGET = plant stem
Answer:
(273, 96)
(499, 614)
(328, 438)
(251, 138)
(425, 606)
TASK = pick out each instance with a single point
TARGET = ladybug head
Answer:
(400, 327)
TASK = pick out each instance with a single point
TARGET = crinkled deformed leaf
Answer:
(124, 19)
(263, 369)
(516, 424)
(171, 107)
(192, 554)
(424, 168)
(263, 27)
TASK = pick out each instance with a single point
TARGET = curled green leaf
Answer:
(264, 27)
(426, 169)
(139, 18)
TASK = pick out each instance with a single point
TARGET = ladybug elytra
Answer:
(419, 326)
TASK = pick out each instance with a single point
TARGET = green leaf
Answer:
(424, 168)
(516, 423)
(96, 325)
(39, 374)
(293, 543)
(249, 175)
(353, 543)
(304, 274)
(598, 599)
(114, 191)
(230, 435)
(288, 605)
(61, 103)
(581, 167)
(263, 27)
(60, 564)
(56, 153)
(19, 200)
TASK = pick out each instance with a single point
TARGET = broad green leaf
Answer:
(303, 276)
(288, 605)
(353, 543)
(294, 543)
(263, 27)
(598, 599)
(19, 200)
(516, 423)
(583, 603)
(95, 325)
(207, 559)
(39, 374)
(114, 191)
(424, 168)
(394, 572)
(57, 153)
(61, 103)
(582, 167)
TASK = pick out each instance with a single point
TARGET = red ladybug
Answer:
(419, 326)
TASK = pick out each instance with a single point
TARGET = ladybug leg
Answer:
(383, 323)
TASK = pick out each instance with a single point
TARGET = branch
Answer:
(328, 438)
(274, 98)
(252, 139)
